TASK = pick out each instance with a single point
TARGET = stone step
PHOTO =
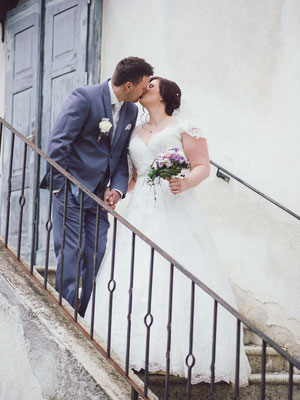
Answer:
(251, 337)
(276, 388)
(253, 347)
(274, 361)
(276, 378)
(51, 274)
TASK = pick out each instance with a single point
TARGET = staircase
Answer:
(277, 374)
(277, 377)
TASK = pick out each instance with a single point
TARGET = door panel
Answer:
(64, 71)
(61, 84)
(20, 111)
(65, 53)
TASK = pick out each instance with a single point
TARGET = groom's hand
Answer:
(115, 196)
(111, 197)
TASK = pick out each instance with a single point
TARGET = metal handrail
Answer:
(173, 263)
(226, 178)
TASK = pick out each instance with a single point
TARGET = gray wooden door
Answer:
(20, 110)
(65, 47)
(65, 56)
(64, 71)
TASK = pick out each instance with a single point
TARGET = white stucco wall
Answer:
(2, 90)
(2, 77)
(238, 67)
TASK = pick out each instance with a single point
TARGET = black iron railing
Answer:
(154, 249)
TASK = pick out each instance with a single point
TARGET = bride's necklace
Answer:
(149, 129)
(147, 126)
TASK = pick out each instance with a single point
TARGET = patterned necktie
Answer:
(116, 114)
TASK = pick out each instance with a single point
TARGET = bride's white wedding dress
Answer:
(176, 224)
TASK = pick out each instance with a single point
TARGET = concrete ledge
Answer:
(275, 378)
(62, 362)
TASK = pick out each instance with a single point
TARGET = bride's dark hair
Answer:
(170, 93)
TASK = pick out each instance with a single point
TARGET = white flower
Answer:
(105, 125)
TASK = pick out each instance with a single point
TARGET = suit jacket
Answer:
(73, 141)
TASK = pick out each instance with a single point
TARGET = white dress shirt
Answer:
(116, 107)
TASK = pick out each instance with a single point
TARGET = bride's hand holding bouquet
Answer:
(171, 165)
(183, 170)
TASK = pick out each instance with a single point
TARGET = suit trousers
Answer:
(72, 254)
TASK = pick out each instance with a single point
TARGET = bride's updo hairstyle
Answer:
(170, 93)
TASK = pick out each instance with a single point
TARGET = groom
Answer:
(90, 139)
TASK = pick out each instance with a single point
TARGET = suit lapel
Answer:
(107, 105)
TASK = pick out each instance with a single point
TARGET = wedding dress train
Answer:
(177, 225)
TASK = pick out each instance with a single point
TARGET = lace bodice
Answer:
(143, 154)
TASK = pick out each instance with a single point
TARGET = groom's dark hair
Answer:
(131, 69)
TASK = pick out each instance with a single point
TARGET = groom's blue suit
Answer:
(73, 144)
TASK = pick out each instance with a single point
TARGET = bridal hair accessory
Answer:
(104, 128)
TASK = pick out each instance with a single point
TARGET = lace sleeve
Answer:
(188, 126)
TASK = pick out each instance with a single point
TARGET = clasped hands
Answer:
(111, 197)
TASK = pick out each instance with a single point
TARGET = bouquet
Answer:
(167, 165)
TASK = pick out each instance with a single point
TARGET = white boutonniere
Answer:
(104, 128)
(128, 127)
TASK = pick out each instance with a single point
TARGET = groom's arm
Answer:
(119, 179)
(67, 126)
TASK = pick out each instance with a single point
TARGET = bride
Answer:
(171, 218)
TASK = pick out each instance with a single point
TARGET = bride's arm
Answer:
(197, 154)
(131, 184)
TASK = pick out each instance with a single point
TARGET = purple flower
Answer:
(168, 164)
